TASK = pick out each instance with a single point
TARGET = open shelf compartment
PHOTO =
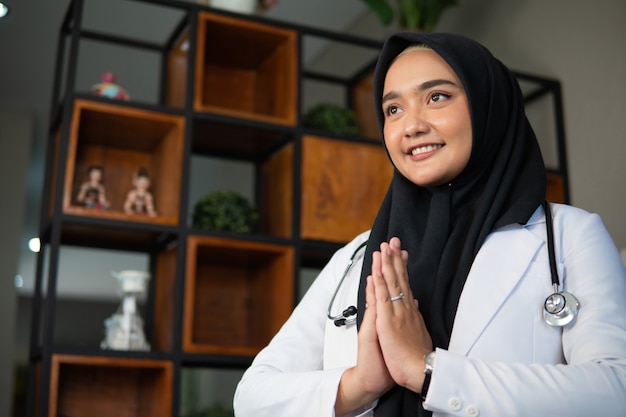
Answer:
(246, 69)
(107, 386)
(122, 140)
(237, 294)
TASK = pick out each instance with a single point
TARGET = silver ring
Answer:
(398, 297)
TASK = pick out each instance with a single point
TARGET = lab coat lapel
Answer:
(498, 267)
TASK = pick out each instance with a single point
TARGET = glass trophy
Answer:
(124, 329)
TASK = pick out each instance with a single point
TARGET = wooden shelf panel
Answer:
(277, 199)
(123, 387)
(235, 141)
(556, 188)
(90, 231)
(237, 294)
(177, 64)
(343, 184)
(121, 140)
(363, 106)
(246, 69)
(164, 300)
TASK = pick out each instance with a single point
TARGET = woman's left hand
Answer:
(402, 333)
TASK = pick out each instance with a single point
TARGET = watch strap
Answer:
(429, 364)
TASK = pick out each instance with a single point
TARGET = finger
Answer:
(399, 257)
(381, 292)
(400, 260)
(370, 297)
(376, 264)
(367, 332)
(394, 268)
(369, 316)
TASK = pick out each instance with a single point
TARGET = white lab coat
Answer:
(503, 360)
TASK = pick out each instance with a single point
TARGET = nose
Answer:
(415, 124)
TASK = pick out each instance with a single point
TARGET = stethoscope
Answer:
(345, 317)
(559, 309)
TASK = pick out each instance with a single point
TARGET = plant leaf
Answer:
(382, 9)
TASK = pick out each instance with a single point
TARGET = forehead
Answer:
(419, 64)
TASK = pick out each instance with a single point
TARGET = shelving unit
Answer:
(231, 88)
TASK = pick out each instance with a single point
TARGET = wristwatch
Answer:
(429, 365)
(429, 362)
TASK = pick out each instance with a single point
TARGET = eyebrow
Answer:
(421, 87)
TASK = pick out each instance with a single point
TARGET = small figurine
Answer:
(91, 193)
(108, 88)
(124, 329)
(139, 200)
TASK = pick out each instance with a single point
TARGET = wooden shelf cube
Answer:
(107, 386)
(343, 184)
(121, 140)
(237, 294)
(246, 69)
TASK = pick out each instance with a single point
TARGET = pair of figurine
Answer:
(139, 200)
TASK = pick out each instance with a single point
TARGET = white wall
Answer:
(580, 43)
(16, 132)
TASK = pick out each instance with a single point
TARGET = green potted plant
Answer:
(331, 118)
(411, 14)
(224, 211)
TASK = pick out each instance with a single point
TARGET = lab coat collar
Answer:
(493, 276)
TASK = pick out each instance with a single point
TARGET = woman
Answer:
(450, 289)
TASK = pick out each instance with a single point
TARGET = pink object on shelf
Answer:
(108, 88)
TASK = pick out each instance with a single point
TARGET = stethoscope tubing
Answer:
(343, 318)
(560, 308)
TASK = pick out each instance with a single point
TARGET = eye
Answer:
(437, 97)
(392, 110)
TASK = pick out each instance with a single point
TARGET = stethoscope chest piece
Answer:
(560, 308)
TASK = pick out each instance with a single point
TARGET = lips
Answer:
(425, 149)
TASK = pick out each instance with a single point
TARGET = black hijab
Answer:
(444, 227)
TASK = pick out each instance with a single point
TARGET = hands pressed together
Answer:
(392, 339)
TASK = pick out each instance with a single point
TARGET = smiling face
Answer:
(427, 127)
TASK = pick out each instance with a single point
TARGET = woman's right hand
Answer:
(369, 379)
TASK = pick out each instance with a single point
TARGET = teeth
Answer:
(427, 148)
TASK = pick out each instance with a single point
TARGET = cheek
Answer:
(390, 136)
(460, 127)
(392, 144)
